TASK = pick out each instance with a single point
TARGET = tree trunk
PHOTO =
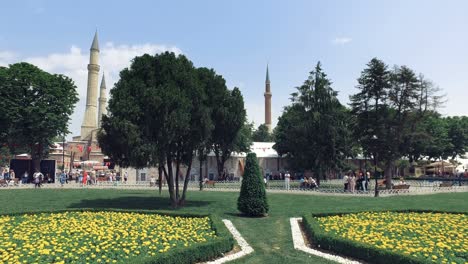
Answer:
(177, 176)
(200, 158)
(220, 166)
(36, 157)
(182, 200)
(170, 183)
(388, 174)
(160, 172)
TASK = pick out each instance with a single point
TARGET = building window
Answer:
(142, 176)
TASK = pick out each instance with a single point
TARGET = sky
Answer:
(239, 38)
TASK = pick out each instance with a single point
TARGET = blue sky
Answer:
(238, 39)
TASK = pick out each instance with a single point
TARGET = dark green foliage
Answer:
(252, 199)
(229, 133)
(35, 108)
(262, 134)
(355, 249)
(314, 131)
(159, 114)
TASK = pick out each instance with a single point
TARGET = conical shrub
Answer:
(252, 199)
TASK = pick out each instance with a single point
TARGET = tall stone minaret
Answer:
(267, 102)
(90, 116)
(102, 100)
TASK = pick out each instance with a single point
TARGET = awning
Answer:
(100, 167)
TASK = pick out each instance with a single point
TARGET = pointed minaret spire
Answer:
(102, 100)
(90, 116)
(267, 101)
(95, 45)
(267, 76)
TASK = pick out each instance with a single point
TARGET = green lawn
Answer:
(270, 237)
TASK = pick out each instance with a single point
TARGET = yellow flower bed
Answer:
(437, 237)
(95, 237)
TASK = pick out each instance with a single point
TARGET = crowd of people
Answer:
(83, 177)
(308, 183)
(359, 182)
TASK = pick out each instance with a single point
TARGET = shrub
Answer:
(194, 253)
(252, 199)
(357, 249)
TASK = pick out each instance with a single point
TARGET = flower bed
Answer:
(393, 237)
(109, 237)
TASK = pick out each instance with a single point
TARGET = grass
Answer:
(270, 237)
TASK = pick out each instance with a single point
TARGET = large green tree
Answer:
(396, 111)
(261, 134)
(457, 131)
(370, 110)
(313, 131)
(158, 116)
(230, 133)
(35, 106)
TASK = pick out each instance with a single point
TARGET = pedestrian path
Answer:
(194, 187)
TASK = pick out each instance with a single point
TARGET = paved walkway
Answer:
(193, 187)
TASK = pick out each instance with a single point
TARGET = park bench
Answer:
(446, 184)
(401, 188)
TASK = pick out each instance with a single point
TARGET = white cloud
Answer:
(341, 40)
(113, 58)
(7, 57)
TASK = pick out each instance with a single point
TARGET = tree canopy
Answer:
(163, 111)
(36, 107)
(261, 134)
(314, 131)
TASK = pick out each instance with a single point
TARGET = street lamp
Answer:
(63, 152)
(376, 190)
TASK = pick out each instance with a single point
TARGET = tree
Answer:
(262, 134)
(228, 135)
(158, 116)
(312, 131)
(394, 111)
(252, 200)
(215, 88)
(370, 109)
(36, 107)
(457, 132)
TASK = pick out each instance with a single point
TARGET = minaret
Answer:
(102, 100)
(267, 102)
(90, 116)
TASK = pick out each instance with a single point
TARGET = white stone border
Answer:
(299, 244)
(245, 247)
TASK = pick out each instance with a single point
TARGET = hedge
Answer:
(356, 249)
(200, 252)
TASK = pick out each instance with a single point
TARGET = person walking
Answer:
(125, 176)
(37, 176)
(287, 178)
(365, 182)
(85, 177)
(346, 182)
(63, 178)
(352, 183)
(24, 180)
(13, 176)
